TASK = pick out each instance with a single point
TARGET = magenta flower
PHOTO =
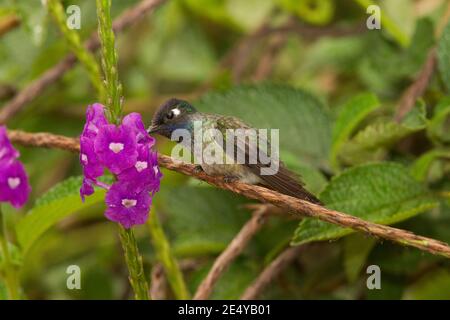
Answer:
(7, 151)
(116, 147)
(126, 151)
(134, 122)
(95, 119)
(87, 188)
(14, 185)
(145, 173)
(92, 167)
(126, 205)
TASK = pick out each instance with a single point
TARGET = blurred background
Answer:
(254, 59)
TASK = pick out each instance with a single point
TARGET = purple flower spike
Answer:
(14, 185)
(7, 151)
(86, 189)
(126, 205)
(92, 168)
(145, 173)
(95, 119)
(116, 147)
(134, 122)
(126, 151)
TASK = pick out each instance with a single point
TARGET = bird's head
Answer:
(172, 115)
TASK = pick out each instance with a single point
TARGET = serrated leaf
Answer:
(58, 203)
(383, 193)
(200, 220)
(350, 116)
(303, 121)
(380, 135)
(357, 248)
(443, 54)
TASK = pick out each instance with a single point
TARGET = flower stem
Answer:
(84, 56)
(134, 263)
(113, 90)
(112, 84)
(388, 23)
(11, 280)
(164, 253)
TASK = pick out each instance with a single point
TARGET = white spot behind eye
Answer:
(176, 111)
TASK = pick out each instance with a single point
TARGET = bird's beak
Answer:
(153, 129)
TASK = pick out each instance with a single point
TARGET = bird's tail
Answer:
(286, 182)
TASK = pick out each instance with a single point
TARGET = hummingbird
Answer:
(179, 114)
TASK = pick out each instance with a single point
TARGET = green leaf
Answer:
(304, 123)
(433, 286)
(357, 248)
(351, 115)
(380, 135)
(200, 220)
(443, 54)
(421, 167)
(318, 12)
(58, 203)
(385, 68)
(383, 193)
(438, 128)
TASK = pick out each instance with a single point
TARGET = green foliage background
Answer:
(333, 99)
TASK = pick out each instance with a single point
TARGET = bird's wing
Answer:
(283, 181)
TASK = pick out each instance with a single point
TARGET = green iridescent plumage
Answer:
(177, 114)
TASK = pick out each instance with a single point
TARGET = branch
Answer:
(167, 259)
(35, 88)
(418, 87)
(296, 207)
(271, 272)
(266, 62)
(236, 246)
(158, 283)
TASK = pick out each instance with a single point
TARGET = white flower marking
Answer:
(13, 183)
(141, 165)
(116, 147)
(128, 203)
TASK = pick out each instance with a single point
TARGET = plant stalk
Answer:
(73, 39)
(112, 84)
(113, 90)
(12, 283)
(134, 264)
(166, 257)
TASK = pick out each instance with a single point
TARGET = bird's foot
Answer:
(230, 179)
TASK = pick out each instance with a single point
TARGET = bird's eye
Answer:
(170, 115)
